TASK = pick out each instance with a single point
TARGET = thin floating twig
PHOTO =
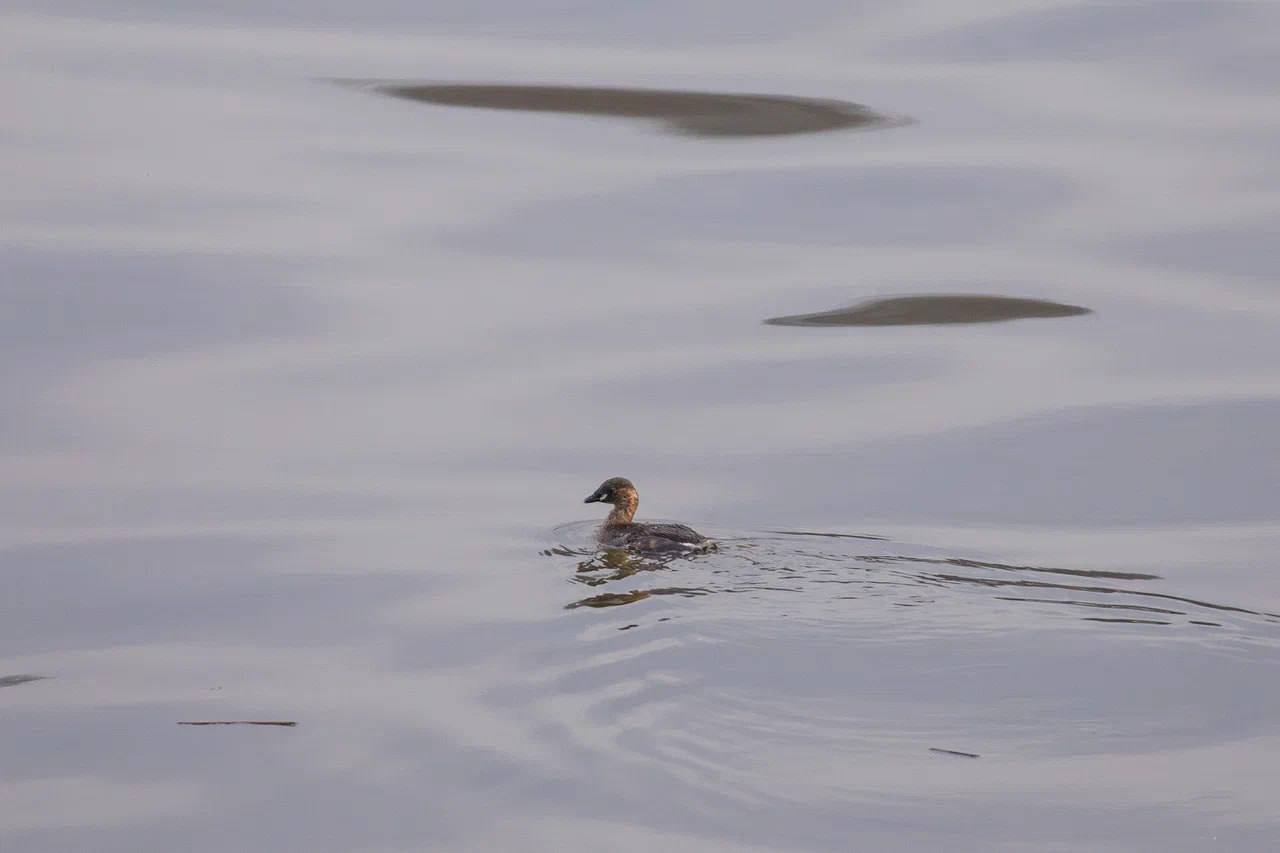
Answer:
(237, 723)
(954, 752)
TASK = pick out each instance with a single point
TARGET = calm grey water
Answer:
(304, 384)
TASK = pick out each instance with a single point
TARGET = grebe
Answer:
(620, 531)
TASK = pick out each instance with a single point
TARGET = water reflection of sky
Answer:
(920, 204)
(298, 379)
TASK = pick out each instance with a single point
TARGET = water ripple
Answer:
(819, 576)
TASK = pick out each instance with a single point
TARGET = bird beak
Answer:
(594, 498)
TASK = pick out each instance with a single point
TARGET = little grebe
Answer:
(619, 531)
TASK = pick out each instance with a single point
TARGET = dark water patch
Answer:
(15, 680)
(706, 114)
(932, 310)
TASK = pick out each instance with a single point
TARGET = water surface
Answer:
(304, 385)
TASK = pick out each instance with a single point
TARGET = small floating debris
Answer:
(15, 680)
(954, 752)
(286, 723)
(711, 114)
(933, 310)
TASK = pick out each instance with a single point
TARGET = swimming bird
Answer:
(620, 531)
